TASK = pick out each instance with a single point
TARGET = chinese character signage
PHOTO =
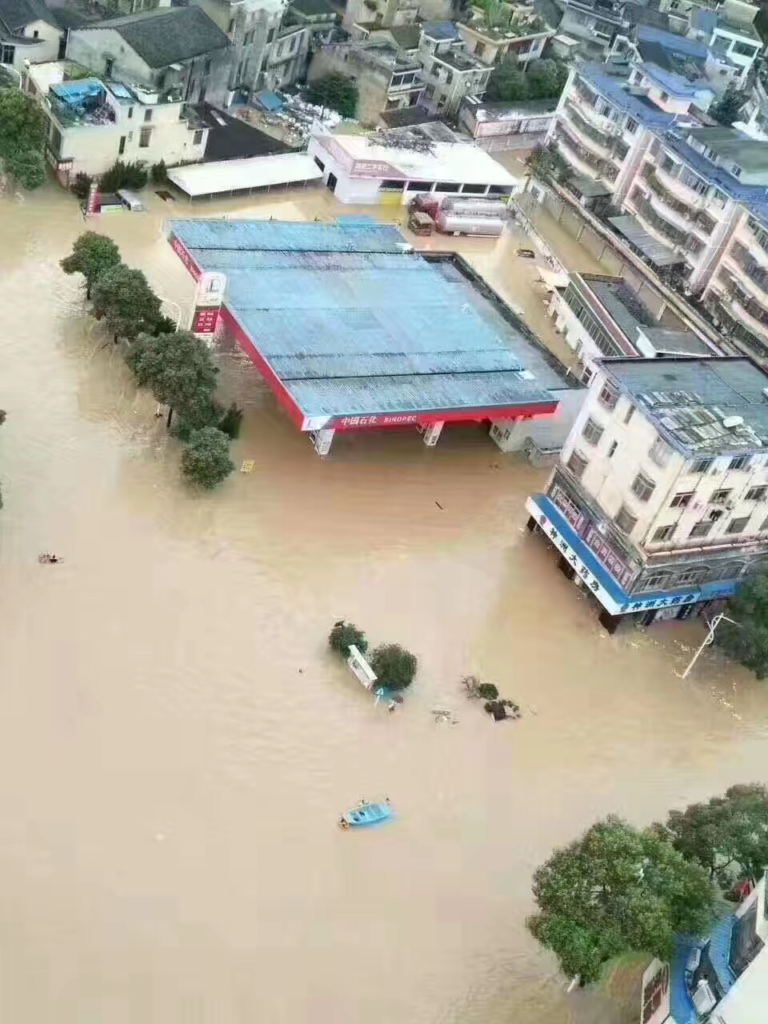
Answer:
(185, 258)
(615, 566)
(205, 320)
(655, 995)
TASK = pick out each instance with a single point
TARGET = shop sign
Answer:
(205, 320)
(615, 566)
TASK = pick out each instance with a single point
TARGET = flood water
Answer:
(176, 743)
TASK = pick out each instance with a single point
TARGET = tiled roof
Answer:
(15, 14)
(167, 35)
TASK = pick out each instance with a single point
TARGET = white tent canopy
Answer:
(244, 175)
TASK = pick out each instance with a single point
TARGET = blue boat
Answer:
(366, 814)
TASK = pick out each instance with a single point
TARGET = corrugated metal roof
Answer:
(354, 323)
(649, 246)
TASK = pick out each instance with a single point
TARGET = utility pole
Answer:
(707, 641)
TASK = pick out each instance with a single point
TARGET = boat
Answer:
(365, 814)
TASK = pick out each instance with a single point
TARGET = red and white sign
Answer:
(92, 204)
(605, 553)
(655, 998)
(210, 288)
(185, 258)
(205, 320)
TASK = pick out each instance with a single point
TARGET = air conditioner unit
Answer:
(703, 999)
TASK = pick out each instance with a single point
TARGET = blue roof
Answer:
(680, 1004)
(74, 93)
(711, 172)
(614, 89)
(672, 42)
(443, 31)
(675, 85)
(703, 19)
(720, 951)
(269, 100)
(353, 323)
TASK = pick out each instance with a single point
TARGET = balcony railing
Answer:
(759, 234)
(732, 327)
(742, 300)
(586, 104)
(678, 237)
(596, 163)
(698, 218)
(754, 271)
(679, 187)
(582, 125)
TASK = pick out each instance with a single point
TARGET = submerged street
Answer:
(176, 742)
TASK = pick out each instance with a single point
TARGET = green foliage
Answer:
(205, 460)
(159, 173)
(547, 163)
(179, 371)
(28, 168)
(724, 833)
(726, 109)
(122, 175)
(81, 186)
(747, 642)
(617, 890)
(335, 91)
(487, 691)
(92, 255)
(124, 298)
(22, 137)
(343, 635)
(231, 421)
(394, 666)
(544, 79)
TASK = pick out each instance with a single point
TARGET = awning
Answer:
(636, 234)
(588, 188)
(269, 101)
(244, 175)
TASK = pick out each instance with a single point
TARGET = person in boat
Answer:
(48, 559)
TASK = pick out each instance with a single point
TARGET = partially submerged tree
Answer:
(727, 835)
(394, 666)
(345, 633)
(747, 640)
(92, 255)
(205, 460)
(726, 110)
(617, 890)
(123, 297)
(334, 91)
(23, 127)
(179, 371)
(546, 162)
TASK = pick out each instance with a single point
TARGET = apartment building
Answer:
(28, 32)
(93, 122)
(659, 503)
(601, 316)
(594, 23)
(449, 72)
(386, 78)
(730, 36)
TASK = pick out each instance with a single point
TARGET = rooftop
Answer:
(313, 8)
(730, 145)
(672, 42)
(406, 36)
(690, 400)
(611, 82)
(676, 84)
(353, 322)
(231, 138)
(440, 31)
(166, 35)
(16, 14)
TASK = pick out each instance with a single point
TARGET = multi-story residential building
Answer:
(601, 316)
(522, 38)
(721, 977)
(386, 78)
(28, 32)
(286, 59)
(594, 23)
(730, 36)
(449, 72)
(320, 19)
(659, 503)
(92, 123)
(380, 13)
(502, 126)
(176, 52)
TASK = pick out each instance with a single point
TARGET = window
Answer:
(702, 465)
(447, 186)
(700, 529)
(745, 50)
(592, 432)
(147, 116)
(109, 64)
(720, 497)
(35, 34)
(643, 486)
(479, 49)
(319, 163)
(612, 449)
(664, 97)
(681, 500)
(631, 126)
(230, 26)
(197, 138)
(757, 493)
(130, 113)
(654, 580)
(630, 413)
(474, 189)
(737, 525)
(391, 185)
(144, 137)
(577, 464)
(609, 396)
(691, 576)
(121, 147)
(664, 533)
(739, 462)
(625, 520)
(660, 452)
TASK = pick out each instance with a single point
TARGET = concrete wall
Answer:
(372, 85)
(547, 432)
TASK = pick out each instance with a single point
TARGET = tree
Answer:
(91, 255)
(122, 175)
(179, 371)
(726, 110)
(123, 297)
(335, 91)
(394, 666)
(747, 642)
(205, 460)
(544, 79)
(23, 128)
(617, 890)
(507, 84)
(546, 162)
(345, 633)
(724, 833)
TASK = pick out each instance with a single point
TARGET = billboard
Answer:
(654, 1005)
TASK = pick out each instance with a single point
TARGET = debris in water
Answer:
(439, 506)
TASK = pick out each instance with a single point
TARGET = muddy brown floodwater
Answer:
(176, 744)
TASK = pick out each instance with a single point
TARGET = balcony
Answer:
(679, 188)
(657, 225)
(756, 236)
(587, 109)
(746, 307)
(756, 274)
(578, 156)
(734, 328)
(594, 139)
